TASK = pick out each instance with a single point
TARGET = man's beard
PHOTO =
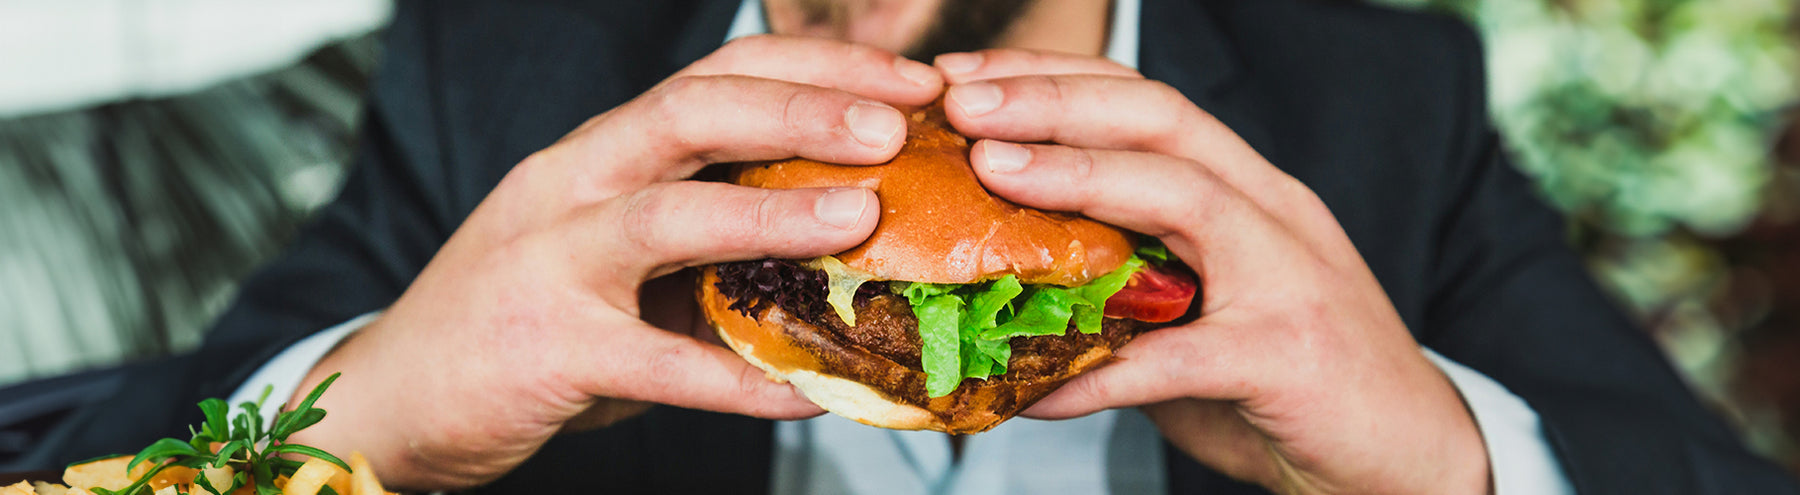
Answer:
(966, 25)
(960, 25)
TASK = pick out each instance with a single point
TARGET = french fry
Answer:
(362, 477)
(339, 482)
(219, 477)
(105, 473)
(22, 488)
(313, 474)
(251, 449)
(176, 476)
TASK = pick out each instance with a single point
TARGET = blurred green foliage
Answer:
(1640, 116)
(1651, 123)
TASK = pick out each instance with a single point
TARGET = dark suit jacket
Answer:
(1381, 113)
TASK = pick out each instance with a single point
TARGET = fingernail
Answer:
(976, 98)
(959, 63)
(919, 74)
(841, 208)
(1003, 157)
(873, 124)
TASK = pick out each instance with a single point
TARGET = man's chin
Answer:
(965, 25)
(955, 26)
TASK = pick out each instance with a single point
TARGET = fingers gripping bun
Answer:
(939, 225)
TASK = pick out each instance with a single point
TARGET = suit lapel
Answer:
(1182, 44)
(704, 33)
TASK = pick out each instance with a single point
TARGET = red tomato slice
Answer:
(1154, 295)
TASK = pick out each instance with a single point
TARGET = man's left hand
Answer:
(1299, 374)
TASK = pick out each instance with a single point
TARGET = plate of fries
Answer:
(238, 455)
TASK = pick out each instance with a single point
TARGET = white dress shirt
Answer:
(1116, 451)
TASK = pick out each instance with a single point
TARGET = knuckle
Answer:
(665, 104)
(1080, 176)
(795, 114)
(744, 221)
(1056, 89)
(674, 86)
(1058, 94)
(1178, 116)
(667, 99)
(767, 214)
(666, 365)
(676, 117)
(1081, 165)
(641, 220)
(761, 221)
(1210, 199)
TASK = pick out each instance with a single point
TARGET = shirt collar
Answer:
(1121, 41)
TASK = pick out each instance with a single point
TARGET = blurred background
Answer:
(154, 151)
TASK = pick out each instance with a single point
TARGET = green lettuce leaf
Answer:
(1045, 312)
(918, 292)
(941, 353)
(988, 304)
(1154, 252)
(992, 354)
(985, 305)
(1096, 292)
(967, 329)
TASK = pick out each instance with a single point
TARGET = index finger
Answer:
(673, 130)
(1115, 113)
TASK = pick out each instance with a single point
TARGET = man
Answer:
(1328, 169)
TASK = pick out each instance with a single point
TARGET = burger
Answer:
(961, 309)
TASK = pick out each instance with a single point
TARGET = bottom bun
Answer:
(841, 396)
(871, 389)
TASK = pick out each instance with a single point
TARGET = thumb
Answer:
(650, 365)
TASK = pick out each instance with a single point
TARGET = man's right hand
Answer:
(531, 320)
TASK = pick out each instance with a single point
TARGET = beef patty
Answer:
(885, 325)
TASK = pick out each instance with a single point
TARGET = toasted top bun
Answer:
(939, 225)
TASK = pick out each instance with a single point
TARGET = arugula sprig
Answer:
(252, 452)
